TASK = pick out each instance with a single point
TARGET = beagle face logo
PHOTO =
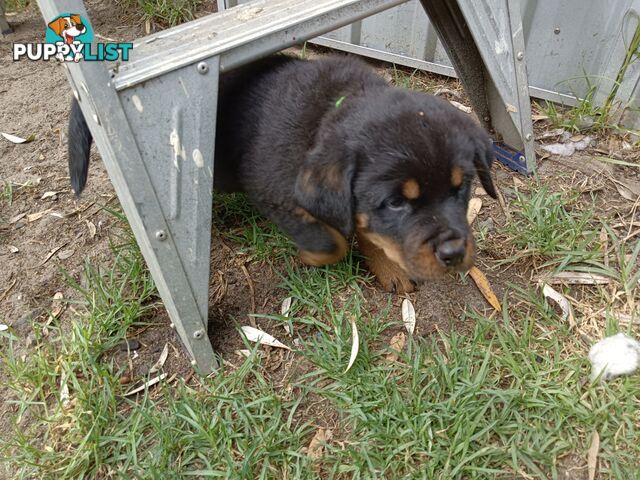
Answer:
(69, 38)
(72, 30)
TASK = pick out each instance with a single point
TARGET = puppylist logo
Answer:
(69, 38)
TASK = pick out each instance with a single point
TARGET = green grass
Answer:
(552, 227)
(509, 398)
(584, 115)
(15, 5)
(165, 12)
(6, 194)
(587, 114)
(411, 79)
(622, 266)
(256, 237)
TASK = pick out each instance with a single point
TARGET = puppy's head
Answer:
(398, 167)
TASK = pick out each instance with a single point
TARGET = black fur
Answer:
(314, 143)
(79, 145)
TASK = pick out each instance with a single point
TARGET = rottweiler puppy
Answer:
(326, 149)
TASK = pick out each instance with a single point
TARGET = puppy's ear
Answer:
(324, 184)
(57, 25)
(76, 19)
(482, 161)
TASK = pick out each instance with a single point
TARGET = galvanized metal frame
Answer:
(485, 43)
(241, 35)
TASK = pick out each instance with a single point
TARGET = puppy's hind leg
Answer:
(319, 243)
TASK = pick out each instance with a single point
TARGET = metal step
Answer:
(240, 35)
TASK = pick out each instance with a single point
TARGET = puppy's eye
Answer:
(395, 203)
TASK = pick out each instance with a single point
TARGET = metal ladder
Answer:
(153, 117)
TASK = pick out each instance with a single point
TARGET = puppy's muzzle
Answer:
(451, 253)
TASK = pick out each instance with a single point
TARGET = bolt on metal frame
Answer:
(153, 118)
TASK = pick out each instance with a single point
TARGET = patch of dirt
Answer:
(573, 467)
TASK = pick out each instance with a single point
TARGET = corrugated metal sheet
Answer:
(571, 44)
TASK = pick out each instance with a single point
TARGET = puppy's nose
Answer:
(451, 252)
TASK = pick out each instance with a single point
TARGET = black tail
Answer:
(79, 147)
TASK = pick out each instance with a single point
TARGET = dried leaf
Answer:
(479, 191)
(63, 255)
(32, 217)
(247, 353)
(460, 106)
(256, 335)
(448, 91)
(49, 255)
(629, 189)
(17, 218)
(561, 300)
(397, 344)
(92, 228)
(285, 307)
(146, 385)
(57, 306)
(538, 117)
(16, 139)
(355, 343)
(475, 204)
(579, 278)
(13, 249)
(604, 242)
(46, 195)
(408, 316)
(483, 285)
(284, 311)
(315, 450)
(517, 183)
(510, 108)
(592, 456)
(65, 398)
(625, 192)
(160, 363)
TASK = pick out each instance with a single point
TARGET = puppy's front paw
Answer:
(390, 275)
